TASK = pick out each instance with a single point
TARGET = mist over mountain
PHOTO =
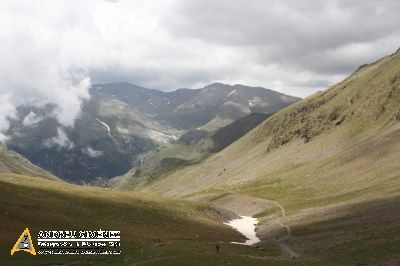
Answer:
(178, 126)
(122, 120)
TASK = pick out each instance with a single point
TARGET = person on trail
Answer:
(217, 248)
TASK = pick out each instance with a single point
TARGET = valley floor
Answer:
(363, 232)
(188, 231)
(333, 201)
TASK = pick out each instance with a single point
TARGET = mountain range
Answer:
(192, 147)
(122, 121)
(321, 176)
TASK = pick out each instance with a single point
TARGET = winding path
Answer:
(285, 248)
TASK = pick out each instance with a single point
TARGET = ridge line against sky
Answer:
(53, 50)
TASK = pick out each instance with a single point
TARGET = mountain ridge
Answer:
(123, 120)
(192, 147)
(321, 110)
(319, 174)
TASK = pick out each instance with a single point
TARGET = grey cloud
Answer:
(321, 24)
(294, 33)
(52, 50)
(314, 83)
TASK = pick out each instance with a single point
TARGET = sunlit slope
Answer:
(12, 162)
(330, 161)
(192, 147)
(49, 205)
(332, 126)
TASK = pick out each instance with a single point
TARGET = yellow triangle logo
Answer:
(24, 243)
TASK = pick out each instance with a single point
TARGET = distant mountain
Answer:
(322, 175)
(328, 129)
(211, 107)
(122, 121)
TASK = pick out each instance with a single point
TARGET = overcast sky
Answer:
(51, 51)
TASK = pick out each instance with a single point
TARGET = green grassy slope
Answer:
(326, 167)
(192, 147)
(187, 232)
(12, 162)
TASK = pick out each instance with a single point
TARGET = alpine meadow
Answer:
(200, 132)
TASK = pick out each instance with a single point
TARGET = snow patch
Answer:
(246, 226)
(161, 137)
(106, 126)
(229, 94)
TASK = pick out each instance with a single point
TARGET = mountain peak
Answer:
(122, 120)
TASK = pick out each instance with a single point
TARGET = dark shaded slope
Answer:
(232, 132)
(121, 121)
(192, 147)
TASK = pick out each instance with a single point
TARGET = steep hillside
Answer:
(192, 147)
(322, 174)
(225, 136)
(362, 108)
(12, 162)
(154, 230)
(122, 121)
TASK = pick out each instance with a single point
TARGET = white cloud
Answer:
(51, 50)
(61, 140)
(31, 118)
(7, 110)
(92, 152)
(39, 59)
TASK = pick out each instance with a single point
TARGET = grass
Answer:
(184, 228)
(362, 233)
(330, 161)
(11, 161)
(190, 149)
(321, 158)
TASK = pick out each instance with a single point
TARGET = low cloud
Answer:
(42, 61)
(92, 152)
(60, 140)
(7, 111)
(31, 119)
(53, 50)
